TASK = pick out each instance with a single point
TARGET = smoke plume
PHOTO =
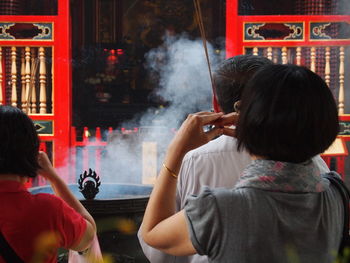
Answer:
(180, 72)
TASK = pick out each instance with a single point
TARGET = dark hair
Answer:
(287, 114)
(232, 75)
(19, 143)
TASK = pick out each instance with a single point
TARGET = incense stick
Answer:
(31, 85)
(202, 32)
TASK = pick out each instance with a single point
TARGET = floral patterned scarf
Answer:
(282, 177)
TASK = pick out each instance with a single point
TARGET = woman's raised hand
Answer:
(47, 170)
(226, 121)
(191, 134)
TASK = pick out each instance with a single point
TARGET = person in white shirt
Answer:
(217, 163)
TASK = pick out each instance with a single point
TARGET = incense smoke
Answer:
(180, 71)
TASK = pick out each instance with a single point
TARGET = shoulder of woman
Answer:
(48, 202)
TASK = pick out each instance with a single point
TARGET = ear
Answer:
(237, 106)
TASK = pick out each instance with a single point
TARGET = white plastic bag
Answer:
(92, 255)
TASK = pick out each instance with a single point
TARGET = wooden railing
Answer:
(319, 61)
(26, 78)
(319, 42)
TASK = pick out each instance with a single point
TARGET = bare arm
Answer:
(61, 189)
(161, 227)
(152, 254)
(155, 255)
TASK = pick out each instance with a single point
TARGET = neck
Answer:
(13, 177)
(256, 157)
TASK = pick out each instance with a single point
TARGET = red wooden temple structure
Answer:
(36, 68)
(35, 56)
(314, 40)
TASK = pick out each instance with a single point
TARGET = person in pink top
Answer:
(32, 226)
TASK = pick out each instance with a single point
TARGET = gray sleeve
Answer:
(204, 223)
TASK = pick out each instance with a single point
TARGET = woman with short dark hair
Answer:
(19, 143)
(281, 209)
(35, 226)
(289, 115)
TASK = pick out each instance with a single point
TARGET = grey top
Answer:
(215, 164)
(255, 222)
